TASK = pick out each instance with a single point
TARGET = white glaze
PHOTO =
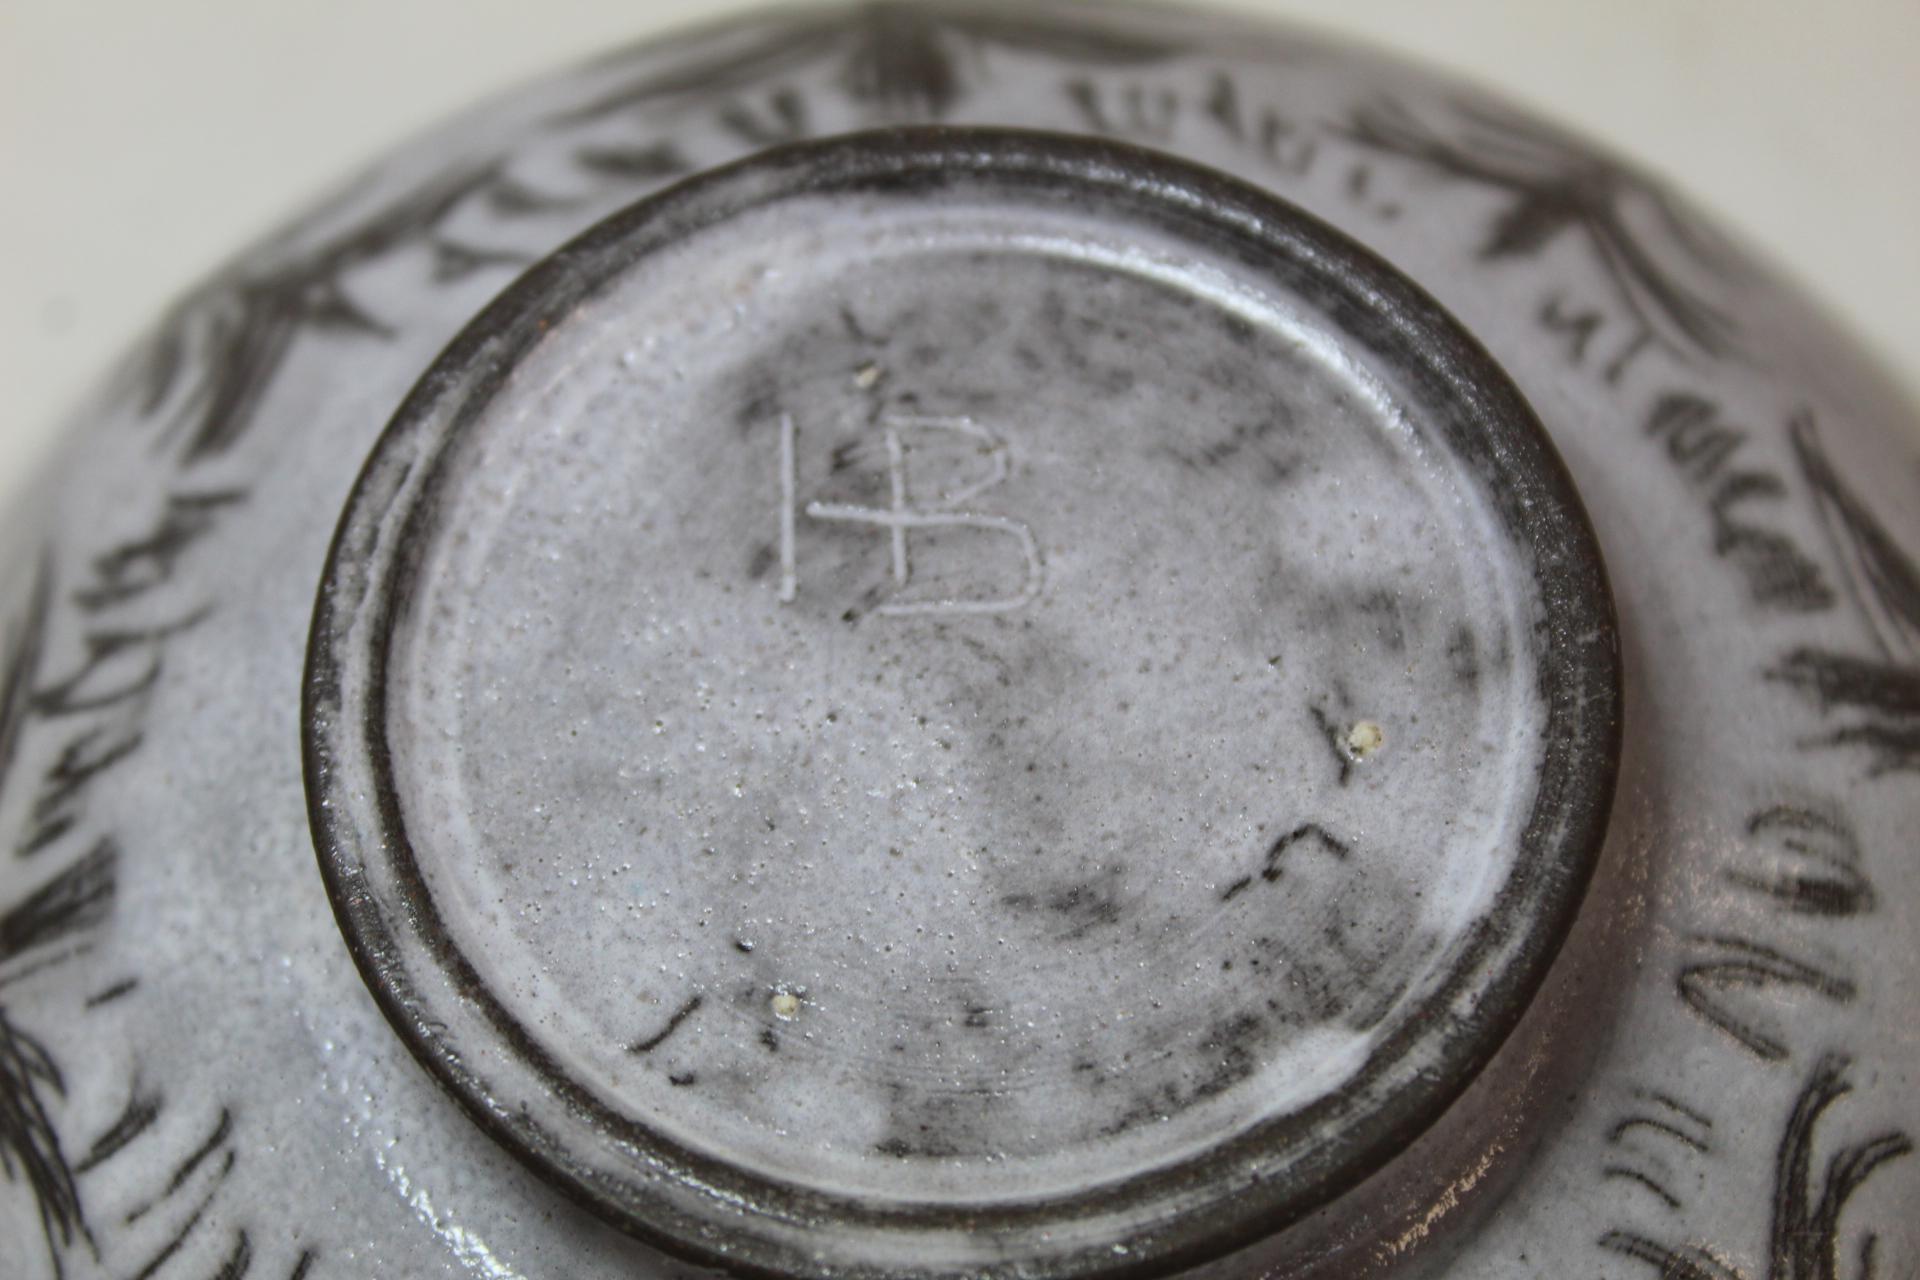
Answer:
(1016, 864)
(248, 1007)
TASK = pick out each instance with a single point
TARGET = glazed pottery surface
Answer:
(952, 640)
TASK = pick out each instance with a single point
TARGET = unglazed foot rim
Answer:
(827, 493)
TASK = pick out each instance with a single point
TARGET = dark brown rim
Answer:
(715, 1214)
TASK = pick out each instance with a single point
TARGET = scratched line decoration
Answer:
(1658, 255)
(202, 379)
(205, 372)
(30, 1147)
(1805, 1238)
(1714, 457)
(902, 61)
(200, 385)
(200, 382)
(1874, 695)
(1803, 861)
(1723, 976)
(1643, 1145)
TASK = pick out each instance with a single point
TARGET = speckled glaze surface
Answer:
(956, 703)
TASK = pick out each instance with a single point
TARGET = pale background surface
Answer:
(143, 141)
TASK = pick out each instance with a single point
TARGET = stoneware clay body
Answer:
(948, 640)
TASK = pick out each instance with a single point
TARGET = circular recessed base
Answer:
(949, 701)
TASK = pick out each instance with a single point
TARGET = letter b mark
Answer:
(900, 516)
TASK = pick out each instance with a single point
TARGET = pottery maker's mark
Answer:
(1804, 1243)
(900, 515)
